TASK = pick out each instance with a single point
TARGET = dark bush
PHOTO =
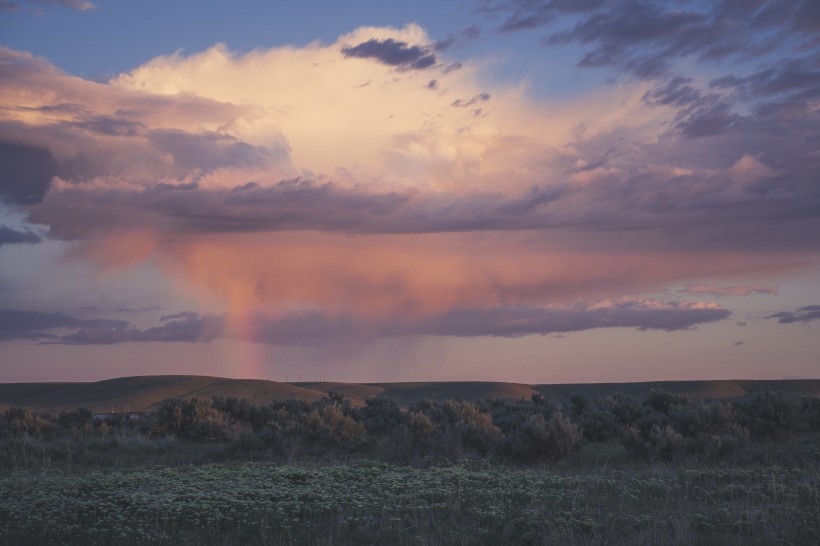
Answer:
(768, 414)
(193, 419)
(662, 401)
(18, 421)
(652, 440)
(544, 439)
(380, 415)
(79, 418)
(810, 413)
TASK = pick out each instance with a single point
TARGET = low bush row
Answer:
(661, 426)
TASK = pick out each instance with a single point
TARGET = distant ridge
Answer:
(145, 393)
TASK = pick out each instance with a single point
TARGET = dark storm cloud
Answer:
(12, 236)
(309, 328)
(804, 314)
(392, 52)
(20, 324)
(25, 172)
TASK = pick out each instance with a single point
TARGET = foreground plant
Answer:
(378, 503)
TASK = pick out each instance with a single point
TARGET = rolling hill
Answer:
(145, 393)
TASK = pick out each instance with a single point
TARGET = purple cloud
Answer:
(307, 328)
(392, 52)
(21, 324)
(12, 236)
(25, 172)
(804, 314)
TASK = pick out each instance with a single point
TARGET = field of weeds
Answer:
(378, 503)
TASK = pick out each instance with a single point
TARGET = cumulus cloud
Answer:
(334, 177)
(804, 314)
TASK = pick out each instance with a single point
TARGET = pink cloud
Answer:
(713, 290)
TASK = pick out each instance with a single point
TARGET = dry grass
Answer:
(147, 392)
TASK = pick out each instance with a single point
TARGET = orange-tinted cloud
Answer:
(408, 275)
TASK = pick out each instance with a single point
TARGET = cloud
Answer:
(392, 52)
(520, 321)
(185, 327)
(308, 328)
(461, 103)
(606, 204)
(660, 42)
(12, 236)
(359, 189)
(81, 5)
(21, 324)
(644, 37)
(804, 314)
(713, 290)
(25, 172)
(381, 276)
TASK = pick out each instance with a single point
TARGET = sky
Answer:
(501, 190)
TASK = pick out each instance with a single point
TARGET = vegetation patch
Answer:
(368, 502)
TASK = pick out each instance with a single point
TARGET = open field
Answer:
(146, 393)
(373, 503)
(645, 468)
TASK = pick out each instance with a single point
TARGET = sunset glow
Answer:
(514, 191)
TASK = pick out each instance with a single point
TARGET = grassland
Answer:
(412, 463)
(376, 503)
(146, 393)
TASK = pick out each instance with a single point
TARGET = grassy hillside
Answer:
(147, 392)
(143, 393)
